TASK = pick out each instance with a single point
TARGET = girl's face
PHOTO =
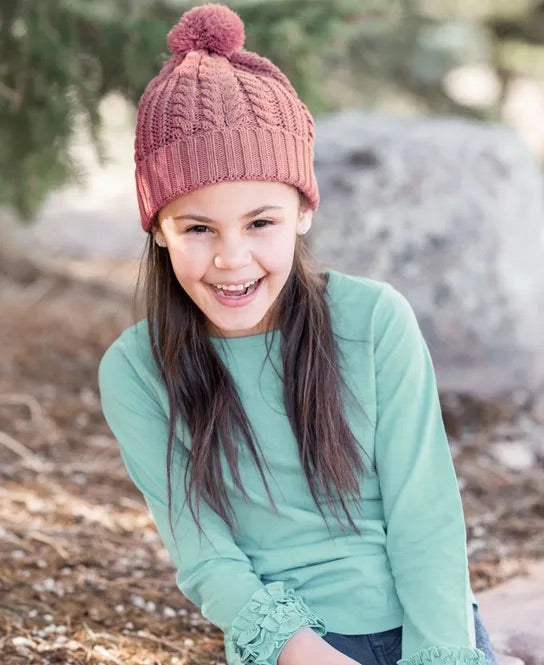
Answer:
(239, 236)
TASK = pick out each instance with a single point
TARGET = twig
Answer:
(106, 654)
(8, 537)
(90, 632)
(161, 641)
(40, 537)
(94, 466)
(126, 502)
(16, 399)
(32, 461)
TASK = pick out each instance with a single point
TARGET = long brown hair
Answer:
(203, 396)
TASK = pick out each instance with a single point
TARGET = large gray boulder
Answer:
(450, 212)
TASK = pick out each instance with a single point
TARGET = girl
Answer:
(282, 424)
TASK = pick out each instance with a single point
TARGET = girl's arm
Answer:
(212, 571)
(426, 538)
(307, 648)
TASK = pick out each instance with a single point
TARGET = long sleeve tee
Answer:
(276, 571)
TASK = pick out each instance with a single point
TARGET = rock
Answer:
(512, 613)
(514, 455)
(524, 645)
(503, 659)
(21, 641)
(451, 213)
(537, 410)
(528, 647)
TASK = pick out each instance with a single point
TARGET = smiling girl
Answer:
(282, 424)
(234, 260)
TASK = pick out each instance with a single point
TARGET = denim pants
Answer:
(385, 648)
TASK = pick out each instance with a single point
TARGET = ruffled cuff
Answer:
(265, 623)
(446, 656)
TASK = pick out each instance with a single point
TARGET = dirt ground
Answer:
(83, 576)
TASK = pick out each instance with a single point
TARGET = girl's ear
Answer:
(304, 221)
(158, 236)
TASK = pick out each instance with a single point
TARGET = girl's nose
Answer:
(232, 255)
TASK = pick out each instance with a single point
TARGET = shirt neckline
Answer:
(258, 339)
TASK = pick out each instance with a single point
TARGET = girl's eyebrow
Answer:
(202, 218)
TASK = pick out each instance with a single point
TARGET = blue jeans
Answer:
(385, 648)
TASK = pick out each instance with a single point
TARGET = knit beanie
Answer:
(216, 113)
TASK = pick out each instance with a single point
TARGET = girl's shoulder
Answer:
(343, 286)
(130, 353)
(360, 304)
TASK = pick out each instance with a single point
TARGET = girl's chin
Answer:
(241, 328)
(224, 330)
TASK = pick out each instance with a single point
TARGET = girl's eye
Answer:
(262, 223)
(199, 229)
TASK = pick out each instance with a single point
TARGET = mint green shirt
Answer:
(278, 571)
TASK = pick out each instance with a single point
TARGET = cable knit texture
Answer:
(215, 113)
(264, 625)
(446, 656)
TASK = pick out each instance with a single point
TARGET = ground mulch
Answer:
(84, 578)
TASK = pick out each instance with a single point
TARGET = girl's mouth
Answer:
(239, 296)
(238, 292)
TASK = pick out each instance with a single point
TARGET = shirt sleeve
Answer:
(212, 571)
(426, 537)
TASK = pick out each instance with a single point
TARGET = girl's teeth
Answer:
(240, 287)
(237, 291)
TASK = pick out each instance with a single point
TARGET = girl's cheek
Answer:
(190, 252)
(281, 249)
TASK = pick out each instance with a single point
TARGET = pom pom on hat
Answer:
(210, 27)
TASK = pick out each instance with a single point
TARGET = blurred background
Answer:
(429, 156)
(72, 71)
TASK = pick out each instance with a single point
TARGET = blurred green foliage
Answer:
(59, 58)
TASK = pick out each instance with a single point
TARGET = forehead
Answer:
(236, 198)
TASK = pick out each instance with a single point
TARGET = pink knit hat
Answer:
(216, 112)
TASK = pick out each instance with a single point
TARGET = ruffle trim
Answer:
(265, 623)
(446, 656)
